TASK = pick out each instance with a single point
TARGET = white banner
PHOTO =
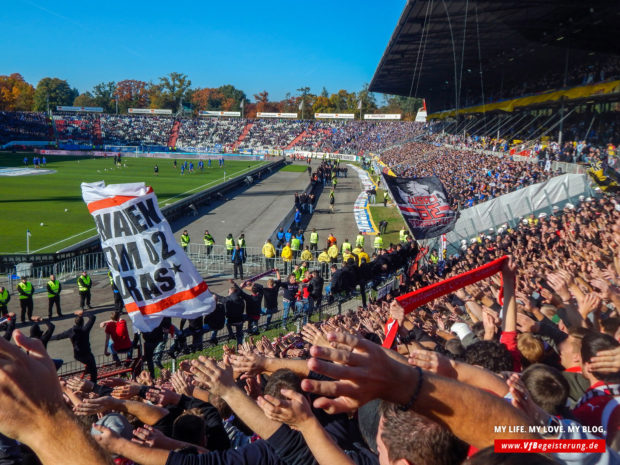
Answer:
(219, 113)
(334, 115)
(383, 116)
(150, 269)
(420, 117)
(263, 114)
(85, 109)
(149, 111)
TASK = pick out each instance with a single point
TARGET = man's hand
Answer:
(313, 335)
(108, 439)
(183, 383)
(397, 312)
(362, 372)
(589, 303)
(434, 362)
(526, 325)
(98, 405)
(29, 389)
(217, 380)
(606, 361)
(295, 411)
(127, 391)
(162, 397)
(150, 437)
(251, 364)
(80, 385)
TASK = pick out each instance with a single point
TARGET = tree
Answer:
(171, 90)
(369, 103)
(56, 90)
(131, 94)
(84, 100)
(408, 106)
(103, 96)
(263, 103)
(15, 93)
(232, 97)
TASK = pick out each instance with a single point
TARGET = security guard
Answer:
(324, 260)
(287, 256)
(295, 246)
(346, 245)
(269, 252)
(84, 284)
(314, 241)
(185, 240)
(241, 243)
(306, 254)
(402, 234)
(230, 244)
(378, 243)
(118, 299)
(359, 240)
(4, 300)
(209, 241)
(332, 251)
(26, 290)
(53, 295)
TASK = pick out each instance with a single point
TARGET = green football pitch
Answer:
(55, 199)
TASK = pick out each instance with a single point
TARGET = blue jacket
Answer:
(297, 216)
(238, 256)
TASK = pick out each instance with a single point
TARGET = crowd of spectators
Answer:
(469, 176)
(75, 128)
(544, 363)
(23, 126)
(218, 134)
(136, 129)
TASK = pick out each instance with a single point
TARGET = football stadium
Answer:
(422, 267)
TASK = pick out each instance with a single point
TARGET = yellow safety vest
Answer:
(184, 239)
(359, 240)
(209, 239)
(83, 283)
(27, 288)
(333, 251)
(323, 257)
(230, 244)
(378, 242)
(241, 243)
(54, 286)
(345, 246)
(306, 255)
(295, 244)
(314, 238)
(287, 253)
(4, 296)
(402, 235)
(269, 251)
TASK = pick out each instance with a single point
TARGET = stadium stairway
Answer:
(174, 134)
(97, 137)
(243, 135)
(295, 141)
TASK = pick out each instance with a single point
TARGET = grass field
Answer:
(391, 215)
(28, 201)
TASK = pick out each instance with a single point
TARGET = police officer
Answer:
(118, 299)
(26, 290)
(314, 241)
(230, 244)
(53, 295)
(4, 300)
(378, 243)
(209, 241)
(185, 240)
(359, 240)
(84, 284)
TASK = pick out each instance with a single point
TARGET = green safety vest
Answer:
(314, 238)
(434, 259)
(359, 240)
(345, 246)
(230, 243)
(241, 243)
(4, 296)
(295, 244)
(110, 278)
(402, 235)
(209, 239)
(83, 283)
(54, 286)
(184, 239)
(378, 242)
(27, 288)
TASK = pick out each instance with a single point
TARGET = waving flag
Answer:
(150, 269)
(424, 205)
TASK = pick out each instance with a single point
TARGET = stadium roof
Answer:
(439, 43)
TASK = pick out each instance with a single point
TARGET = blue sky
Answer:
(276, 46)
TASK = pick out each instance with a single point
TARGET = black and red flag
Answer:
(424, 204)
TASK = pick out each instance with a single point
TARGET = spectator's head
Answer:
(548, 388)
(78, 321)
(591, 344)
(490, 355)
(409, 438)
(282, 379)
(570, 348)
(610, 326)
(531, 348)
(115, 316)
(291, 278)
(190, 427)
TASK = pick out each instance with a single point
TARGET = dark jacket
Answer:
(235, 306)
(238, 256)
(80, 337)
(256, 453)
(35, 332)
(315, 287)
